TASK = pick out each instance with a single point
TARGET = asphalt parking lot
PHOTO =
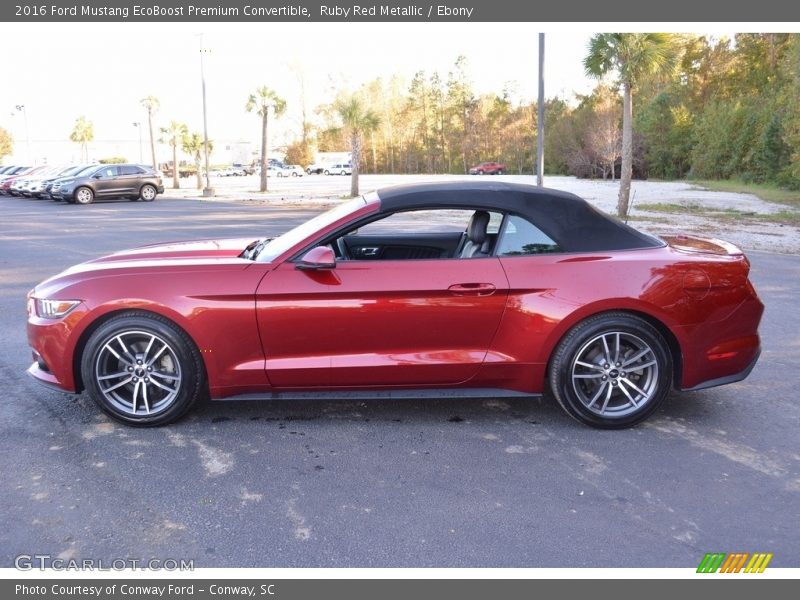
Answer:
(443, 483)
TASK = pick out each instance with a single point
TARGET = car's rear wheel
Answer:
(500, 171)
(148, 193)
(142, 370)
(611, 371)
(327, 172)
(84, 195)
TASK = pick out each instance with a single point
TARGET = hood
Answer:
(174, 256)
(198, 249)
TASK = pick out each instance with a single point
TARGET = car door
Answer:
(380, 322)
(106, 182)
(129, 179)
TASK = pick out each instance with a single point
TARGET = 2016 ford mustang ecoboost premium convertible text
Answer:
(460, 289)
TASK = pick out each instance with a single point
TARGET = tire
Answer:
(294, 173)
(611, 371)
(83, 195)
(480, 172)
(154, 381)
(500, 171)
(327, 172)
(148, 193)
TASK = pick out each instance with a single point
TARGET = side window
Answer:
(423, 234)
(130, 170)
(522, 238)
(108, 172)
(419, 221)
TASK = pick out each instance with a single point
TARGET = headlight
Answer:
(54, 309)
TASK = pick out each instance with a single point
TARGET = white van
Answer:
(339, 169)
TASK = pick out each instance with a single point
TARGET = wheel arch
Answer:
(673, 343)
(83, 338)
(147, 184)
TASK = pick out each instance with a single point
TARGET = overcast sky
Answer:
(61, 71)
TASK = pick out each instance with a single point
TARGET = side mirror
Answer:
(317, 258)
(98, 176)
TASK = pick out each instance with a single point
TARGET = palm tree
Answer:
(82, 134)
(632, 56)
(173, 135)
(151, 105)
(260, 102)
(194, 146)
(357, 120)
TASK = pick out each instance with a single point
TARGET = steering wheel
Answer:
(341, 249)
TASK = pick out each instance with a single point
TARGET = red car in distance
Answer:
(463, 289)
(6, 183)
(488, 168)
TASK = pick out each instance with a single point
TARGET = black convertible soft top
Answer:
(574, 224)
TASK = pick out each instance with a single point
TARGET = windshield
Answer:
(48, 171)
(88, 170)
(72, 170)
(293, 237)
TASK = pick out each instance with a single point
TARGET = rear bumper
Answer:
(721, 352)
(727, 378)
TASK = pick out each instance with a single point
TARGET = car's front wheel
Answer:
(142, 370)
(84, 195)
(611, 371)
(148, 193)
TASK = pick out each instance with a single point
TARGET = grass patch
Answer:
(766, 191)
(726, 215)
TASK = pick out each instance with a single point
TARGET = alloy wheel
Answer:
(614, 374)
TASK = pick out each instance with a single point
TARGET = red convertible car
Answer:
(458, 289)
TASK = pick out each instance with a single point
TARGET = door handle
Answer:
(472, 289)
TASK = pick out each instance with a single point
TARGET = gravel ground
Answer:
(750, 233)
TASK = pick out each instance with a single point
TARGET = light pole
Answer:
(208, 191)
(21, 108)
(540, 119)
(139, 127)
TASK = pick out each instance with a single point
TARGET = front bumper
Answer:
(53, 343)
(63, 193)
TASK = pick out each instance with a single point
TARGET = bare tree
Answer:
(604, 137)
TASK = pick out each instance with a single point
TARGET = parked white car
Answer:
(339, 169)
(291, 171)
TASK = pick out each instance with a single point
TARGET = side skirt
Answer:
(405, 394)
